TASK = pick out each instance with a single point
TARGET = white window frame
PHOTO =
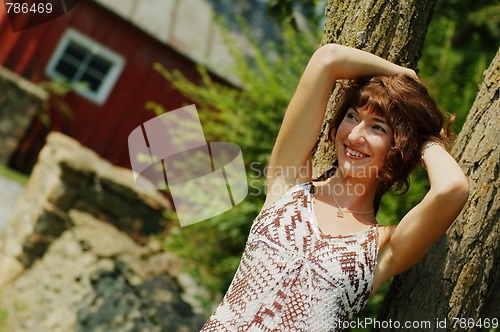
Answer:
(118, 62)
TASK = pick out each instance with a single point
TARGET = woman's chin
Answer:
(358, 172)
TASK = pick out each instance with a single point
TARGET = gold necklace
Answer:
(341, 211)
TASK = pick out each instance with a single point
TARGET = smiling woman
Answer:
(315, 253)
(403, 106)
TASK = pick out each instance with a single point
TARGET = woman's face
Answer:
(362, 141)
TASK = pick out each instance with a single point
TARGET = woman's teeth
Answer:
(355, 153)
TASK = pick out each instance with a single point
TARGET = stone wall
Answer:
(76, 255)
(20, 102)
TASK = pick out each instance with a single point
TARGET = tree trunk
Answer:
(394, 30)
(460, 277)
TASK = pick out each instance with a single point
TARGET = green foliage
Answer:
(3, 320)
(461, 40)
(286, 10)
(13, 175)
(250, 116)
(394, 206)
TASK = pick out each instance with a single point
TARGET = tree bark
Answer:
(394, 30)
(460, 277)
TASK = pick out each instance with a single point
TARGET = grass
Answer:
(13, 175)
(3, 320)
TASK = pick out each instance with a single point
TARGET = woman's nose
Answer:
(357, 134)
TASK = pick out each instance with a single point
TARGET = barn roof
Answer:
(188, 26)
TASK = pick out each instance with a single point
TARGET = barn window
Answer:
(91, 67)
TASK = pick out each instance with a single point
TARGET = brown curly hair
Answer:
(411, 112)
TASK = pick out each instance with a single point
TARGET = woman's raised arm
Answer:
(429, 219)
(290, 161)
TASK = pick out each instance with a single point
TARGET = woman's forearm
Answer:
(445, 175)
(350, 63)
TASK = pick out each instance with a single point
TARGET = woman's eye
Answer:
(352, 116)
(379, 128)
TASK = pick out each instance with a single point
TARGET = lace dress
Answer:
(292, 277)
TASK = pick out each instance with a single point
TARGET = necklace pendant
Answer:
(340, 213)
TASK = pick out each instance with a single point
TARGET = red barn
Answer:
(111, 46)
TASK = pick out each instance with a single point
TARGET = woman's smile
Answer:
(353, 153)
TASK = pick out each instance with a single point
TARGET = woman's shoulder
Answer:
(277, 191)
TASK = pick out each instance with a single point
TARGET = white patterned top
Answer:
(293, 277)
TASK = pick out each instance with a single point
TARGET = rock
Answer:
(75, 256)
(69, 176)
(20, 102)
